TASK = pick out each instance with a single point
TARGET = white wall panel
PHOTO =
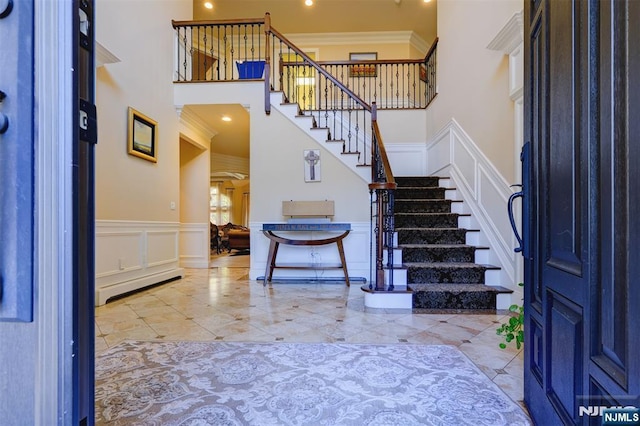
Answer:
(407, 159)
(131, 255)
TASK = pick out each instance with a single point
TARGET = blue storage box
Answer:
(250, 69)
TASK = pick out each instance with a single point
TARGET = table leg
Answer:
(271, 261)
(344, 261)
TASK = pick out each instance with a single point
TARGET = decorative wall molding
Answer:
(353, 38)
(195, 245)
(104, 56)
(225, 167)
(510, 36)
(485, 192)
(131, 255)
(193, 128)
(407, 159)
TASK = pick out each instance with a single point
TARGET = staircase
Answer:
(441, 267)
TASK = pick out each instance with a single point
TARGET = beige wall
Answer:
(277, 173)
(127, 187)
(194, 183)
(473, 80)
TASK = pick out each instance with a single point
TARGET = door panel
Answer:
(16, 161)
(581, 292)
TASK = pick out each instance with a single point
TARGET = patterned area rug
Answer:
(219, 383)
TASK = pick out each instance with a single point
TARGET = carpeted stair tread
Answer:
(438, 252)
(441, 246)
(426, 205)
(457, 287)
(444, 265)
(441, 268)
(427, 220)
(460, 296)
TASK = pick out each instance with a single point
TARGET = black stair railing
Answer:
(382, 189)
(251, 49)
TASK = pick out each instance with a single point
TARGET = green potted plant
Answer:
(513, 329)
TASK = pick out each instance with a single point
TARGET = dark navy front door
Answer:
(582, 287)
(85, 135)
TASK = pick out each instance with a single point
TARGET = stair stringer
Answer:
(319, 135)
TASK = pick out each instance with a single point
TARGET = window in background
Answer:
(219, 205)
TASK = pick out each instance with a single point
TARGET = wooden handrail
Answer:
(391, 182)
(322, 71)
(176, 24)
(431, 49)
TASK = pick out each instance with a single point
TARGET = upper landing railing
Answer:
(214, 50)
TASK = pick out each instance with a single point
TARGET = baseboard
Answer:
(103, 294)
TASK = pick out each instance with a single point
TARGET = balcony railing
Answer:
(231, 50)
(342, 97)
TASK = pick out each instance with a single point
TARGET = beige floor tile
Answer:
(222, 304)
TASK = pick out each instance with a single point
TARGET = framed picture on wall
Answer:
(312, 165)
(142, 136)
(363, 70)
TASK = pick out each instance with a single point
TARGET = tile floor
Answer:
(221, 303)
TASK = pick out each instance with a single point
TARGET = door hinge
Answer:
(88, 122)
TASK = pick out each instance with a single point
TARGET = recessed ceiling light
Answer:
(308, 2)
(226, 118)
(208, 5)
(427, 1)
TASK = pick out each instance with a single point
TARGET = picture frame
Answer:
(142, 135)
(312, 170)
(423, 74)
(364, 70)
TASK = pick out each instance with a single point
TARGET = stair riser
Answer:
(442, 220)
(410, 206)
(420, 193)
(446, 275)
(417, 181)
(458, 254)
(431, 236)
(449, 300)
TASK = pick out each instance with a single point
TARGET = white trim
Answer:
(485, 193)
(53, 280)
(510, 36)
(354, 38)
(104, 56)
(133, 254)
(407, 159)
(195, 245)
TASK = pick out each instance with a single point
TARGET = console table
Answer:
(275, 241)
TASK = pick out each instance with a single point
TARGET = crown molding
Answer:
(104, 56)
(193, 121)
(510, 36)
(351, 38)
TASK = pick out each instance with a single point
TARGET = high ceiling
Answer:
(291, 17)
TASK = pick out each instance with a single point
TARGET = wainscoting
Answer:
(131, 255)
(195, 246)
(485, 194)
